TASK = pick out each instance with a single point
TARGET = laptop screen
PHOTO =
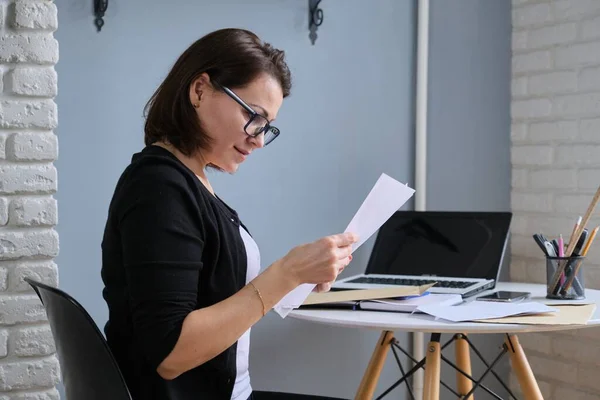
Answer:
(441, 243)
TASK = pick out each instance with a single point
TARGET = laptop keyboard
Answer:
(413, 282)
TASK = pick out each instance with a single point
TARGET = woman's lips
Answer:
(243, 152)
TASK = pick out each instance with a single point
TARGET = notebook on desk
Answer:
(406, 305)
(461, 251)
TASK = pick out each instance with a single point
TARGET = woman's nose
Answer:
(258, 141)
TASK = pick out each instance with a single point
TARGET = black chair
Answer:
(88, 368)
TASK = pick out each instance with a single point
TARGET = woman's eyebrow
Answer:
(262, 109)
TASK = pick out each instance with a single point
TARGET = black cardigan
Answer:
(169, 247)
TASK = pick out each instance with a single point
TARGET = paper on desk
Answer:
(411, 304)
(482, 310)
(566, 315)
(554, 302)
(384, 199)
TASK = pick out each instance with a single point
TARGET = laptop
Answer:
(461, 251)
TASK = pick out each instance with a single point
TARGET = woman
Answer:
(179, 267)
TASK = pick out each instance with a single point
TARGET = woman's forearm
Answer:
(209, 331)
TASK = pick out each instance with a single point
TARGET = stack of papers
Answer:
(530, 312)
(565, 315)
(481, 310)
(411, 304)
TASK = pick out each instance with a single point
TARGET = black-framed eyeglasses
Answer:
(257, 123)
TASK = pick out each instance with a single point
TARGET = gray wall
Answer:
(469, 124)
(469, 105)
(350, 117)
(348, 120)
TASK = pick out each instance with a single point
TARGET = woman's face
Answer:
(223, 119)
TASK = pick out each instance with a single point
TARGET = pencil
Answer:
(583, 254)
(576, 227)
(553, 287)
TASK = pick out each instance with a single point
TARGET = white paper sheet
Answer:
(293, 299)
(384, 199)
(554, 302)
(411, 304)
(478, 310)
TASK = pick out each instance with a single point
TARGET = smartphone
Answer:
(504, 296)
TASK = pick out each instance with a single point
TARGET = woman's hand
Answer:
(321, 261)
(326, 287)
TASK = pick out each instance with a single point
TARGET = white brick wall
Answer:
(556, 167)
(29, 369)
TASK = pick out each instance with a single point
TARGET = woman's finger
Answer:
(343, 264)
(344, 252)
(323, 287)
(344, 239)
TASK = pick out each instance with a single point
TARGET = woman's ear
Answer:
(198, 88)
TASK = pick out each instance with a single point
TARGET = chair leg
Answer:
(431, 389)
(520, 365)
(463, 361)
(371, 376)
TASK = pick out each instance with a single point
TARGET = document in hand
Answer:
(482, 310)
(384, 199)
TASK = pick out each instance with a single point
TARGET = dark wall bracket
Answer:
(315, 16)
(315, 19)
(100, 7)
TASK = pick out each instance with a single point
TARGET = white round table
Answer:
(398, 321)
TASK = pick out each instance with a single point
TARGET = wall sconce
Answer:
(100, 7)
(315, 16)
(315, 19)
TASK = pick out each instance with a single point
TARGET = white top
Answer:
(242, 387)
(424, 323)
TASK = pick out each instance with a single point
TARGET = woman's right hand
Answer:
(321, 261)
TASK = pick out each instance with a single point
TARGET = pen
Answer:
(540, 242)
(583, 254)
(550, 249)
(555, 246)
(570, 267)
(580, 243)
(561, 253)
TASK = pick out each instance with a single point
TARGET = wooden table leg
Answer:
(463, 361)
(520, 365)
(371, 377)
(431, 389)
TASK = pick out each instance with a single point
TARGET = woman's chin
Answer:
(230, 168)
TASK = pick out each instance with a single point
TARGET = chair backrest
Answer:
(88, 368)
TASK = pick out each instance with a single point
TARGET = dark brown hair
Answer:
(232, 57)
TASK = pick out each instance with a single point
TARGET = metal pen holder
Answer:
(565, 278)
